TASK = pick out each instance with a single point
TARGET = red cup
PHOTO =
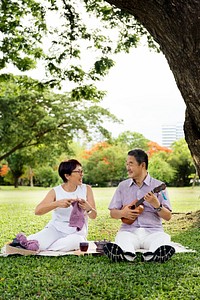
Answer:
(84, 246)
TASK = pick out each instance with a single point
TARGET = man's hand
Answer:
(129, 213)
(152, 199)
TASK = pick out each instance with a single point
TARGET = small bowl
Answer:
(100, 245)
(84, 246)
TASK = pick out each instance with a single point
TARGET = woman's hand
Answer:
(64, 203)
(89, 204)
(84, 204)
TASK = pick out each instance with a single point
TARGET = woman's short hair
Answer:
(66, 167)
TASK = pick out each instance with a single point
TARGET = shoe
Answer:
(162, 254)
(115, 253)
(16, 243)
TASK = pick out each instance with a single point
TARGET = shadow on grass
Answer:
(184, 229)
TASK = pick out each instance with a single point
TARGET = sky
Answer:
(142, 91)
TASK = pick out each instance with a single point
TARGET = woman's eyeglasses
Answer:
(78, 171)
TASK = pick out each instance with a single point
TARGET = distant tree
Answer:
(46, 176)
(105, 165)
(31, 114)
(23, 163)
(181, 160)
(154, 147)
(160, 168)
(100, 146)
(17, 163)
(130, 140)
(3, 169)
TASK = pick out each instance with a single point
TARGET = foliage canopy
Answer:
(60, 32)
(31, 114)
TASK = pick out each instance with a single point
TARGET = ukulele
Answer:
(137, 204)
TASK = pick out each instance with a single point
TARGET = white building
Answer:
(171, 133)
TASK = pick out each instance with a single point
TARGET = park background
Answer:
(40, 126)
(95, 277)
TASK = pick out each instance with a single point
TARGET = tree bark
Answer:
(31, 176)
(16, 182)
(175, 26)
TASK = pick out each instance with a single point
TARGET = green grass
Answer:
(71, 277)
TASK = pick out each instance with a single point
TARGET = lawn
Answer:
(71, 277)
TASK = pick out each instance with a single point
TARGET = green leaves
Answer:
(31, 114)
(22, 26)
(103, 65)
(60, 34)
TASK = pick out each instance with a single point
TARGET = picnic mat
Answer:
(8, 250)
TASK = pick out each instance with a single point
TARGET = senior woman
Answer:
(71, 204)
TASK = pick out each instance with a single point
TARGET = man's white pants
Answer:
(141, 239)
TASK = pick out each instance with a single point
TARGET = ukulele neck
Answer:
(139, 202)
(155, 190)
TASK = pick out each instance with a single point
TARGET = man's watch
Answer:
(158, 208)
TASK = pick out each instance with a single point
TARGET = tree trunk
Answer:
(16, 181)
(31, 176)
(195, 179)
(175, 26)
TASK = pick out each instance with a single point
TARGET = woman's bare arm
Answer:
(49, 203)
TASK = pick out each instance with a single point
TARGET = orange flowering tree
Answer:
(154, 147)
(97, 147)
(4, 170)
(104, 164)
(159, 167)
(174, 166)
